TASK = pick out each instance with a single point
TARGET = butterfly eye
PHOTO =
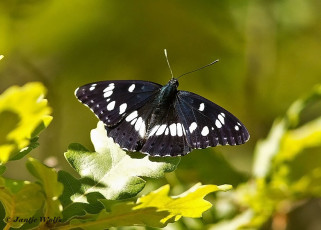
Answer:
(174, 82)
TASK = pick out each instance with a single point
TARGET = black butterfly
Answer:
(160, 120)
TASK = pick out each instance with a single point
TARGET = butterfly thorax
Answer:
(163, 103)
(167, 93)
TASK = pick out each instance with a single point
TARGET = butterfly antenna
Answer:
(165, 51)
(199, 68)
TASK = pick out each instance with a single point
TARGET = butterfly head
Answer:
(173, 82)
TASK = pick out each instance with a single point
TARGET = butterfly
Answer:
(160, 120)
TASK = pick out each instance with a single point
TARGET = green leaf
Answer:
(52, 189)
(188, 204)
(20, 199)
(296, 108)
(73, 186)
(112, 172)
(23, 115)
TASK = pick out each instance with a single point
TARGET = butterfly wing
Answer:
(127, 108)
(122, 106)
(112, 101)
(207, 124)
(167, 136)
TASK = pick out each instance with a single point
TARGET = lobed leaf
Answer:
(73, 186)
(122, 214)
(20, 199)
(188, 204)
(110, 171)
(52, 189)
(24, 113)
(156, 209)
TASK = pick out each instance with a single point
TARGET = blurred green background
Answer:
(269, 55)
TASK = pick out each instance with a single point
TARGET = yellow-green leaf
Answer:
(48, 179)
(23, 114)
(156, 209)
(295, 141)
(122, 214)
(20, 199)
(187, 204)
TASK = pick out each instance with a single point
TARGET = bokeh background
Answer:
(269, 55)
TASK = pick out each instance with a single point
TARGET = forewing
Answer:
(112, 101)
(207, 124)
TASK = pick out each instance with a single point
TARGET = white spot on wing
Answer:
(218, 124)
(166, 131)
(223, 114)
(192, 127)
(153, 131)
(236, 128)
(111, 106)
(161, 130)
(205, 131)
(202, 106)
(108, 94)
(131, 88)
(172, 129)
(111, 86)
(132, 116)
(93, 86)
(179, 130)
(221, 118)
(138, 123)
(142, 130)
(122, 108)
(133, 121)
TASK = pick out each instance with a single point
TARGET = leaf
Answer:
(52, 189)
(122, 214)
(20, 199)
(188, 204)
(265, 150)
(294, 141)
(156, 209)
(72, 186)
(296, 108)
(23, 115)
(112, 172)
